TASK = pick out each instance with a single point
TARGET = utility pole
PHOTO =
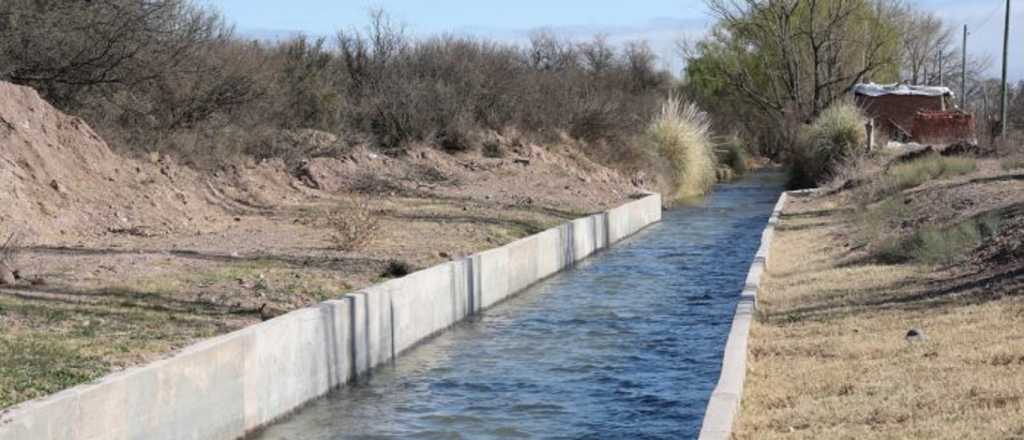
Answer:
(963, 74)
(1004, 110)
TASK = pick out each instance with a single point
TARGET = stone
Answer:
(915, 335)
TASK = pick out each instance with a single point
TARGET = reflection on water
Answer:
(626, 345)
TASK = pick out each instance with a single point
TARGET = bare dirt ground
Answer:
(123, 261)
(830, 356)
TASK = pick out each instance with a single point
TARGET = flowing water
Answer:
(628, 344)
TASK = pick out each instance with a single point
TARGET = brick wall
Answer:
(943, 127)
(900, 110)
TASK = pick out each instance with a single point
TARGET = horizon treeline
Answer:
(173, 77)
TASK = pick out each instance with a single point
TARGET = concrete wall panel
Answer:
(494, 276)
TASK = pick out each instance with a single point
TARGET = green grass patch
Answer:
(940, 245)
(912, 174)
(35, 365)
(1013, 164)
(732, 154)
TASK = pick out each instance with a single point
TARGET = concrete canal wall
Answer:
(724, 406)
(225, 387)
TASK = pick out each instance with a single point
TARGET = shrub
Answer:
(171, 76)
(680, 136)
(354, 227)
(911, 174)
(733, 154)
(396, 269)
(835, 137)
(935, 245)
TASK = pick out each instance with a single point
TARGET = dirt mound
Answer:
(62, 182)
(63, 185)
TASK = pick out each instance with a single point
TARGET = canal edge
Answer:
(724, 404)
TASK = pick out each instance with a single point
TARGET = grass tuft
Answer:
(733, 153)
(918, 171)
(680, 135)
(938, 245)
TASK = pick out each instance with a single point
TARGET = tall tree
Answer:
(791, 59)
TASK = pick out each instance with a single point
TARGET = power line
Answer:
(991, 14)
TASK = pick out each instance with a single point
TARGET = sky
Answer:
(660, 22)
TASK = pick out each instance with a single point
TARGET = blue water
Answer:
(626, 345)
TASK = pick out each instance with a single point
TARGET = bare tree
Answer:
(598, 55)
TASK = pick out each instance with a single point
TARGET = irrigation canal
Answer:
(626, 345)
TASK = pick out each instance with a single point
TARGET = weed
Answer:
(938, 245)
(396, 269)
(918, 171)
(354, 227)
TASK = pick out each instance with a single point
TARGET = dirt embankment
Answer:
(898, 316)
(124, 260)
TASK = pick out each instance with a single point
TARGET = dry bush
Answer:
(681, 137)
(823, 147)
(354, 226)
(177, 80)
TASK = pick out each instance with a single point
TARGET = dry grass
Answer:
(917, 172)
(835, 138)
(680, 135)
(354, 226)
(829, 358)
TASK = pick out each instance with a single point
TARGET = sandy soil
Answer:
(122, 261)
(830, 354)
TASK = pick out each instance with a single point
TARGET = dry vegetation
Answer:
(354, 226)
(173, 77)
(829, 354)
(681, 137)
